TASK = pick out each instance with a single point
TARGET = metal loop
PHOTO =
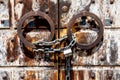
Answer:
(31, 14)
(100, 26)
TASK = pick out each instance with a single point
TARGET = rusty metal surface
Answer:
(16, 63)
(100, 25)
(33, 14)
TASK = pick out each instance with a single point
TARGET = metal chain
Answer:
(55, 42)
(53, 50)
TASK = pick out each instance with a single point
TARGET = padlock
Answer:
(34, 14)
(67, 52)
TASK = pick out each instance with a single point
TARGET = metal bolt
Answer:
(111, 1)
(110, 74)
(47, 10)
(12, 40)
(64, 8)
(22, 75)
(20, 1)
(2, 21)
(93, 1)
(92, 74)
(4, 75)
(1, 2)
(102, 58)
(108, 22)
(111, 19)
(12, 59)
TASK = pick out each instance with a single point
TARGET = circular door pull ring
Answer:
(32, 14)
(100, 33)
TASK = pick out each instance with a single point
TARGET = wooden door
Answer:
(19, 62)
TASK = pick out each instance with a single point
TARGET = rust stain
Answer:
(10, 13)
(109, 75)
(81, 37)
(50, 8)
(28, 61)
(34, 38)
(73, 75)
(26, 8)
(92, 75)
(16, 2)
(12, 49)
(62, 75)
(63, 32)
(44, 4)
(54, 76)
(30, 75)
(81, 75)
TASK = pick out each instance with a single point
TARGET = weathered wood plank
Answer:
(108, 53)
(83, 67)
(28, 74)
(12, 54)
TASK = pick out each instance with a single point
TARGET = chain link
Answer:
(55, 42)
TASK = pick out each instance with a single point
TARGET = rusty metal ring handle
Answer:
(100, 33)
(32, 14)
